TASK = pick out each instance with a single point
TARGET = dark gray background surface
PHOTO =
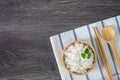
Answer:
(25, 28)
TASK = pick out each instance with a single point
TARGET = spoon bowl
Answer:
(108, 33)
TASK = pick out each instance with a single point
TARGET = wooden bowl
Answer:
(63, 57)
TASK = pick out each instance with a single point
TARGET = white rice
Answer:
(74, 61)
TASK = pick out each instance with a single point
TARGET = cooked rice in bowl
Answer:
(79, 57)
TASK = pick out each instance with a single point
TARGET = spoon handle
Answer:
(115, 55)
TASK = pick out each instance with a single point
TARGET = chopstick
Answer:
(102, 54)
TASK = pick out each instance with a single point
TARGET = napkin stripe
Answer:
(62, 48)
(118, 25)
(74, 33)
(111, 55)
(94, 47)
(77, 39)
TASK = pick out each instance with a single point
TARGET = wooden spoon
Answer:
(108, 34)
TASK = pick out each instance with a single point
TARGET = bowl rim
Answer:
(63, 57)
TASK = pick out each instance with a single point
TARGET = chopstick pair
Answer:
(102, 54)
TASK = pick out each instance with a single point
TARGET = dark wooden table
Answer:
(25, 28)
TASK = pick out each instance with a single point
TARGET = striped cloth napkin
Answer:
(86, 33)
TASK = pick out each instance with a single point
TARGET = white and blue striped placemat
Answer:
(86, 33)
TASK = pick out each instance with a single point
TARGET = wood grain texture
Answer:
(25, 28)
